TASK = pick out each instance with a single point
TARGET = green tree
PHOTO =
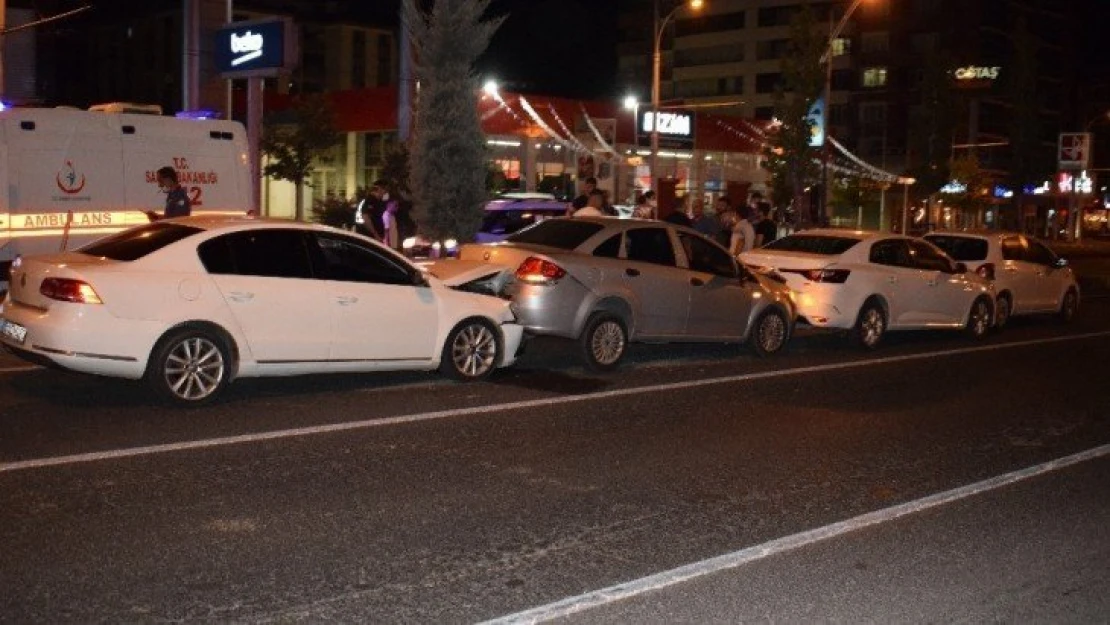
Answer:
(448, 147)
(789, 158)
(294, 139)
(397, 170)
(976, 181)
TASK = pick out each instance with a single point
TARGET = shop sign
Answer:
(255, 48)
(676, 127)
(976, 72)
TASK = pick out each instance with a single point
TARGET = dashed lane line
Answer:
(147, 450)
(737, 559)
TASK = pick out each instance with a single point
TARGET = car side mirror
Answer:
(961, 268)
(1060, 263)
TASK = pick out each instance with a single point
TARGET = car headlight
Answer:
(409, 243)
(450, 244)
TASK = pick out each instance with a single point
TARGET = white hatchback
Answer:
(190, 304)
(1029, 278)
(870, 282)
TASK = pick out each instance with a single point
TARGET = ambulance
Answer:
(70, 176)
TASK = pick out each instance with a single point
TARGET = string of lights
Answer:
(597, 134)
(539, 121)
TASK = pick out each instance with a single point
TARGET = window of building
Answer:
(771, 49)
(776, 16)
(707, 55)
(766, 83)
(841, 46)
(875, 42)
(923, 43)
(874, 77)
(385, 59)
(697, 88)
(358, 59)
(843, 80)
(730, 85)
(702, 24)
(872, 113)
(838, 114)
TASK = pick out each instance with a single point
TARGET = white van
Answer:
(69, 176)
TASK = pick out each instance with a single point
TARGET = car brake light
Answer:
(986, 270)
(66, 290)
(539, 271)
(828, 276)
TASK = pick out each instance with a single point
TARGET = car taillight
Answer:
(986, 270)
(66, 290)
(829, 276)
(539, 271)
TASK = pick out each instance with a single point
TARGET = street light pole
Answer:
(827, 59)
(656, 67)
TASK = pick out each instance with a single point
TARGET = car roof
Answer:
(974, 233)
(862, 235)
(507, 204)
(241, 222)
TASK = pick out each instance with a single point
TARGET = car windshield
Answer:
(565, 234)
(963, 249)
(138, 242)
(510, 221)
(813, 244)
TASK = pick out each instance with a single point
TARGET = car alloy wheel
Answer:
(979, 319)
(1069, 306)
(1002, 310)
(604, 342)
(189, 366)
(870, 325)
(472, 351)
(770, 333)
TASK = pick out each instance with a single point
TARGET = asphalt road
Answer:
(406, 498)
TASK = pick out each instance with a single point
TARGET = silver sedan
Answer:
(604, 282)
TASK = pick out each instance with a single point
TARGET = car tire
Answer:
(604, 342)
(1003, 309)
(770, 333)
(472, 351)
(1069, 307)
(979, 318)
(189, 366)
(870, 325)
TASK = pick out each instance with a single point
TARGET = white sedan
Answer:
(188, 305)
(870, 282)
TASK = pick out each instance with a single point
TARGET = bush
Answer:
(335, 212)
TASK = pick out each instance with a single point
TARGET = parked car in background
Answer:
(604, 281)
(1029, 278)
(507, 215)
(870, 283)
(190, 304)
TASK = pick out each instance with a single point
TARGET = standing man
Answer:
(391, 234)
(705, 223)
(588, 187)
(766, 230)
(177, 201)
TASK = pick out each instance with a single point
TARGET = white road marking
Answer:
(736, 559)
(147, 450)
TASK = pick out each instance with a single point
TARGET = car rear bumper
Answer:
(554, 310)
(513, 336)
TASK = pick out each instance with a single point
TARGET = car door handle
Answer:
(631, 272)
(697, 282)
(346, 300)
(240, 296)
(892, 279)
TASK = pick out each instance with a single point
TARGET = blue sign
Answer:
(817, 123)
(254, 48)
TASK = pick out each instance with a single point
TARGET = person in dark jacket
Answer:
(177, 200)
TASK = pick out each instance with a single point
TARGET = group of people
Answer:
(382, 216)
(737, 228)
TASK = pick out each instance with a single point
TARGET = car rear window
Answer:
(565, 234)
(813, 244)
(509, 221)
(963, 249)
(138, 242)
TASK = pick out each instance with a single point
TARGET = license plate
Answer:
(13, 331)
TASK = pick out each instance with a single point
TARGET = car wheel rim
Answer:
(194, 369)
(1003, 314)
(872, 326)
(474, 350)
(772, 333)
(980, 318)
(608, 342)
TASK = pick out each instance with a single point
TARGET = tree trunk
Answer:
(299, 201)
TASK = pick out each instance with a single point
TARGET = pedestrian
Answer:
(177, 201)
(588, 187)
(645, 206)
(723, 213)
(678, 216)
(741, 233)
(368, 214)
(391, 234)
(593, 207)
(766, 230)
(705, 223)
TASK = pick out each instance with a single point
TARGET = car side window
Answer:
(650, 245)
(705, 257)
(1012, 249)
(278, 253)
(1039, 254)
(890, 252)
(929, 258)
(346, 260)
(610, 248)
